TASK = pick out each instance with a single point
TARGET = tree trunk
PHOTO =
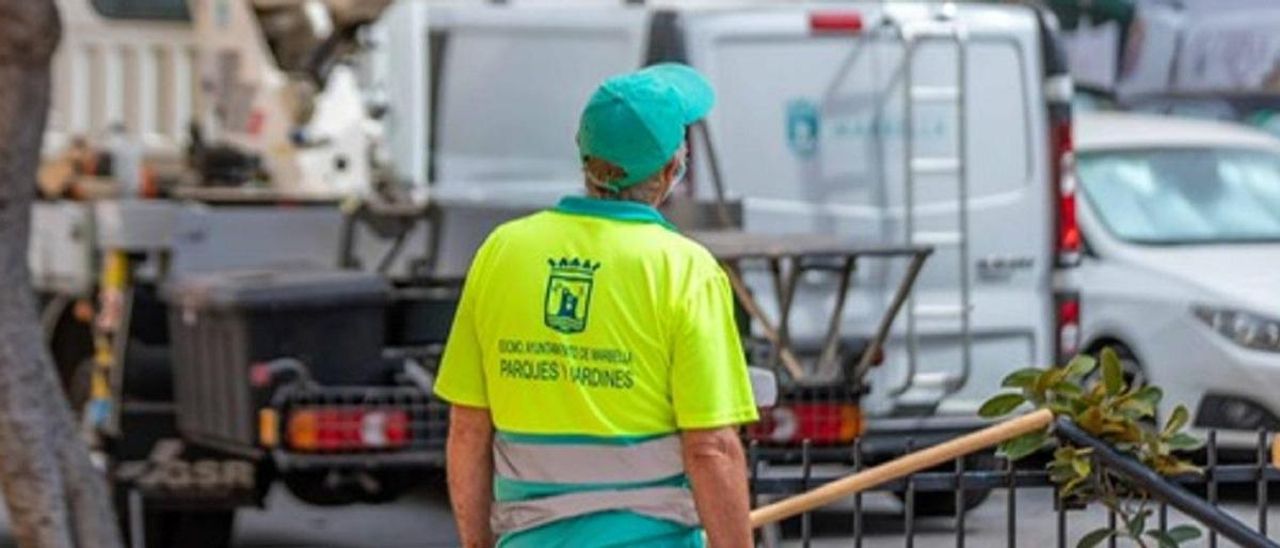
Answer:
(55, 497)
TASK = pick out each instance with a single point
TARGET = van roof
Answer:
(983, 17)
(1113, 130)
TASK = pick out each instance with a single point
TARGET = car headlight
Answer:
(1243, 328)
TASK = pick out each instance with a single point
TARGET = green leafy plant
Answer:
(1108, 407)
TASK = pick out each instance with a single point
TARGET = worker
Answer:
(594, 369)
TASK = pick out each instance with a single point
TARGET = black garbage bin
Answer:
(222, 324)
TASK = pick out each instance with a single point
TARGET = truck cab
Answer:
(908, 125)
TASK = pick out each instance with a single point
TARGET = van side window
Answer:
(999, 118)
(162, 10)
(508, 102)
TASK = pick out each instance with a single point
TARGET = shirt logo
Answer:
(568, 298)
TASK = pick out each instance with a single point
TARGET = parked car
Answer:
(1258, 109)
(1181, 274)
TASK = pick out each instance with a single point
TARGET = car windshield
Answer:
(1185, 195)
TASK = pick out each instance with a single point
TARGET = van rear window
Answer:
(509, 101)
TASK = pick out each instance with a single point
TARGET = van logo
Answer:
(567, 303)
(803, 127)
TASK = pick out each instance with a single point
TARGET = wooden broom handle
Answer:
(901, 466)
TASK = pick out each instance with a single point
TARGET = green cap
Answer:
(636, 121)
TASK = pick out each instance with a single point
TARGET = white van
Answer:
(811, 133)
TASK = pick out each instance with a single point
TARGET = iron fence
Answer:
(1192, 497)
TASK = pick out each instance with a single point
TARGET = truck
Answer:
(233, 324)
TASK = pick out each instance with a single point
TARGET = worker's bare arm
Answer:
(716, 468)
(470, 457)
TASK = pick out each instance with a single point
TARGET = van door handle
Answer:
(1003, 266)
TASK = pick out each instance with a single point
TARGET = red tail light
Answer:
(821, 424)
(347, 429)
(835, 21)
(1069, 336)
(1069, 241)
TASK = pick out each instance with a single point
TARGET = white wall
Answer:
(138, 73)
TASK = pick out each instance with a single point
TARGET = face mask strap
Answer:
(679, 178)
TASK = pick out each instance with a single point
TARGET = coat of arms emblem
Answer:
(568, 299)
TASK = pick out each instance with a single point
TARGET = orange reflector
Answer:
(268, 427)
(851, 424)
(304, 430)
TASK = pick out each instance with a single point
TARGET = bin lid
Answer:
(277, 288)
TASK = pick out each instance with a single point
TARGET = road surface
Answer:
(418, 521)
(423, 521)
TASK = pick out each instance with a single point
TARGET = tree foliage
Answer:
(1094, 394)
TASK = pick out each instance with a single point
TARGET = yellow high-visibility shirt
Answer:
(596, 319)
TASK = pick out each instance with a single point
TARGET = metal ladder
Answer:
(932, 387)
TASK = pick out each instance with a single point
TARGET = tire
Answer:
(162, 528)
(186, 529)
(211, 529)
(943, 503)
(1133, 370)
(312, 488)
(321, 489)
(1129, 364)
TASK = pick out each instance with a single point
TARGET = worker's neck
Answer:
(626, 195)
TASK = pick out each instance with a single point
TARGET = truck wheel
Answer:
(314, 487)
(174, 528)
(943, 503)
(211, 529)
(336, 488)
(188, 529)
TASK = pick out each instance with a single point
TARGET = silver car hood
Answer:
(1240, 275)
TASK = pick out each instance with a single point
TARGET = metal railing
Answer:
(1178, 496)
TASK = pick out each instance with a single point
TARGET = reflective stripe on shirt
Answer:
(669, 503)
(595, 477)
